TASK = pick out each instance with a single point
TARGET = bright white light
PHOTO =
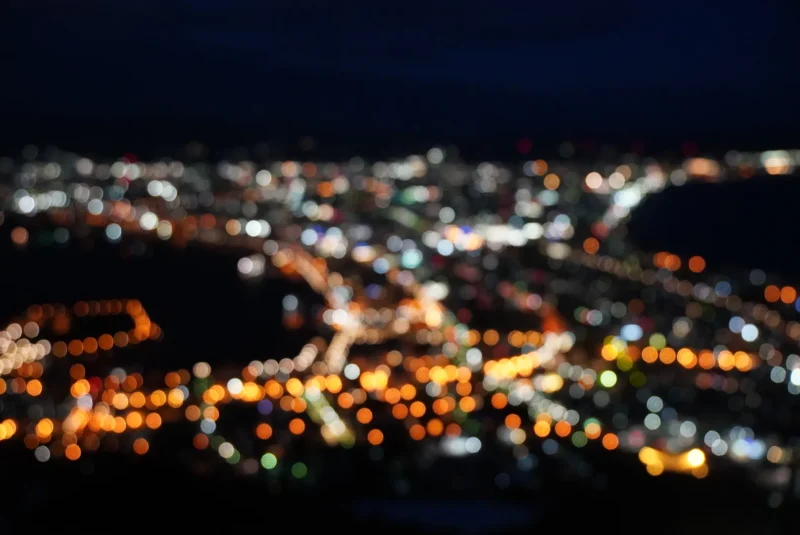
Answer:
(533, 231)
(235, 386)
(290, 303)
(749, 332)
(351, 371)
(447, 215)
(148, 221)
(460, 446)
(113, 232)
(631, 332)
(794, 378)
(688, 429)
(435, 155)
(445, 248)
(245, 266)
(95, 207)
(155, 188)
(26, 204)
(253, 228)
(652, 421)
(473, 445)
(226, 450)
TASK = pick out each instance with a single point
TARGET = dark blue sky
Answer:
(566, 69)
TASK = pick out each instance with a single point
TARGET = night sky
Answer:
(633, 70)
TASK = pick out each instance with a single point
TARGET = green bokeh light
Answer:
(299, 470)
(608, 378)
(269, 461)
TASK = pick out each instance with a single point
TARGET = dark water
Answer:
(752, 224)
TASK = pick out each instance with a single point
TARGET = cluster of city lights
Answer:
(463, 304)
